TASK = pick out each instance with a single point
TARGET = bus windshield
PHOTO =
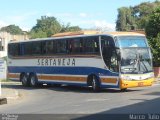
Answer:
(131, 41)
(136, 60)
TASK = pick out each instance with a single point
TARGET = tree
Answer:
(135, 17)
(155, 47)
(68, 28)
(12, 29)
(153, 26)
(153, 34)
(45, 27)
(125, 20)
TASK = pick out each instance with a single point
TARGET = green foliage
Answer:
(12, 29)
(153, 34)
(135, 17)
(48, 26)
(153, 26)
(155, 47)
(125, 20)
(45, 27)
(69, 28)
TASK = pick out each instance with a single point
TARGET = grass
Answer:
(5, 80)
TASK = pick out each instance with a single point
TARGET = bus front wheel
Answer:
(123, 90)
(95, 84)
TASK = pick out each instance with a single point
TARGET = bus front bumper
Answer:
(135, 83)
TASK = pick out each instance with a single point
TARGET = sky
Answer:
(84, 13)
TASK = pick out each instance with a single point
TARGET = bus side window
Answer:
(27, 48)
(36, 48)
(75, 46)
(61, 46)
(91, 44)
(49, 47)
(14, 49)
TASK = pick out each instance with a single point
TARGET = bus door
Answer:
(109, 53)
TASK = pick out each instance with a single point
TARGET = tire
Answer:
(24, 80)
(95, 84)
(124, 90)
(33, 80)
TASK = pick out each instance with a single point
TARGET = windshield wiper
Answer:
(144, 65)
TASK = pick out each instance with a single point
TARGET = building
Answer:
(7, 37)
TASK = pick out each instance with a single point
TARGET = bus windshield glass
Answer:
(131, 41)
(136, 60)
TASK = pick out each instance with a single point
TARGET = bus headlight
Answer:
(152, 75)
(126, 78)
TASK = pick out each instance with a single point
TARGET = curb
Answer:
(157, 80)
(5, 83)
(3, 101)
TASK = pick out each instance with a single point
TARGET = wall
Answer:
(7, 37)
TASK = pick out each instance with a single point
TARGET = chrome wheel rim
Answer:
(33, 81)
(24, 79)
(94, 83)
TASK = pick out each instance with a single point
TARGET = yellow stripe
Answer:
(64, 78)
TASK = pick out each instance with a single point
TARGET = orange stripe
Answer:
(64, 78)
(12, 75)
(108, 80)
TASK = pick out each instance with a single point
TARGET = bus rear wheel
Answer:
(33, 80)
(24, 80)
(95, 84)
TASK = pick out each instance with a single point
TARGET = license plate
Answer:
(140, 84)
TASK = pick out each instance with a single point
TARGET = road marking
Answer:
(95, 100)
(156, 84)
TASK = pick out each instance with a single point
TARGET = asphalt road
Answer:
(78, 100)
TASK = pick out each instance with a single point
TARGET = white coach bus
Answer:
(109, 60)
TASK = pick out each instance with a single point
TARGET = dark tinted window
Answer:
(36, 48)
(49, 47)
(75, 45)
(91, 45)
(61, 46)
(13, 49)
(27, 48)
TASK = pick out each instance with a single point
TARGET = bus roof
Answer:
(90, 32)
(124, 33)
(83, 33)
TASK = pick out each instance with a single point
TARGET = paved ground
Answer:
(68, 102)
(71, 100)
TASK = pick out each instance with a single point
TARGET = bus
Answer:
(101, 60)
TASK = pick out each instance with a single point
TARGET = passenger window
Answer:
(91, 45)
(13, 49)
(61, 46)
(27, 48)
(36, 48)
(75, 45)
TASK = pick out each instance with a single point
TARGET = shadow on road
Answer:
(65, 88)
(146, 108)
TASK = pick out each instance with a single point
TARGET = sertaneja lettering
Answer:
(56, 62)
